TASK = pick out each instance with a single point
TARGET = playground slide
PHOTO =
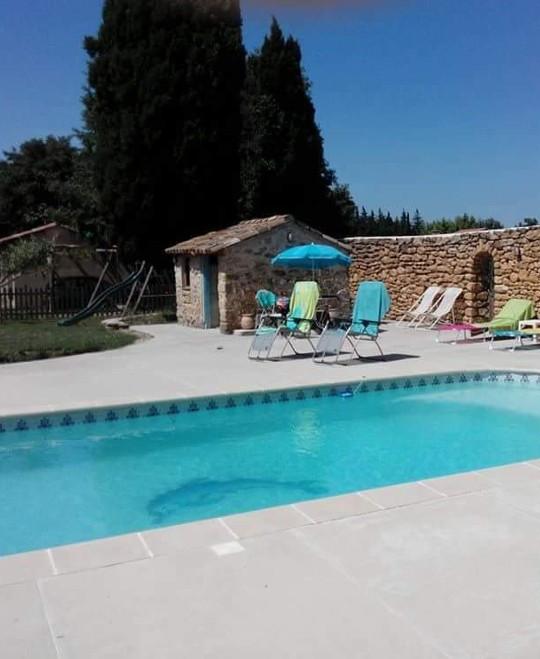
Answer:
(100, 299)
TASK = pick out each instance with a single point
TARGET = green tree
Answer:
(418, 225)
(362, 225)
(489, 223)
(405, 227)
(347, 211)
(461, 223)
(23, 255)
(283, 164)
(162, 119)
(528, 222)
(40, 182)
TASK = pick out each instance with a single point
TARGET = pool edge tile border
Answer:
(380, 509)
(191, 405)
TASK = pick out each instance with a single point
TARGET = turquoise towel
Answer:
(371, 305)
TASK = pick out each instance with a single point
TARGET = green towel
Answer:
(371, 305)
(303, 305)
(509, 316)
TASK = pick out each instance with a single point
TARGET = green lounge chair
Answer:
(299, 323)
(509, 316)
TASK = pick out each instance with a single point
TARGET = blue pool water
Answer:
(64, 485)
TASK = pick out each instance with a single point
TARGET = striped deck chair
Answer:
(424, 304)
(443, 309)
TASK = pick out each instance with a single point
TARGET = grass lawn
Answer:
(40, 339)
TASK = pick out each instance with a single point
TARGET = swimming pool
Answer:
(88, 474)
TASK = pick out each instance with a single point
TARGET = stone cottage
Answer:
(218, 274)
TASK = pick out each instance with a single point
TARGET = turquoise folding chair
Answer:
(371, 305)
(266, 302)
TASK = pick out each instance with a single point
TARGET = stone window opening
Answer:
(484, 298)
(186, 273)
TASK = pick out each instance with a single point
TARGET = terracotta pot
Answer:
(247, 321)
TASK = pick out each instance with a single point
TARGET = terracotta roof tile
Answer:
(216, 241)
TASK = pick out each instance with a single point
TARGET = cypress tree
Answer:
(405, 223)
(418, 225)
(372, 223)
(163, 119)
(283, 165)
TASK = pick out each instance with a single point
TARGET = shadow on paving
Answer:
(395, 357)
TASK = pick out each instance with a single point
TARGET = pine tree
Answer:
(405, 224)
(372, 224)
(162, 114)
(418, 225)
(283, 165)
(362, 228)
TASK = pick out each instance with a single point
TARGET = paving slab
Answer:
(99, 553)
(24, 632)
(522, 497)
(460, 483)
(512, 474)
(29, 566)
(346, 505)
(269, 520)
(459, 570)
(275, 599)
(173, 539)
(401, 495)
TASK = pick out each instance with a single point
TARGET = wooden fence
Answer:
(60, 301)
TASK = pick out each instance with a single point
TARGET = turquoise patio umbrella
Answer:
(312, 257)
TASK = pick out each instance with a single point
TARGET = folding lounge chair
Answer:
(509, 316)
(371, 305)
(516, 335)
(424, 304)
(443, 308)
(266, 302)
(299, 323)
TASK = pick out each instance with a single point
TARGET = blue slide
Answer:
(101, 299)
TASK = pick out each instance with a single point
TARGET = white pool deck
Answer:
(448, 567)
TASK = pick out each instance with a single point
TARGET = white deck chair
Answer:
(444, 308)
(424, 304)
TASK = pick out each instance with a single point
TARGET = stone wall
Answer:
(245, 268)
(189, 300)
(490, 266)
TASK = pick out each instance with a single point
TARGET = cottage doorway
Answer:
(484, 271)
(210, 291)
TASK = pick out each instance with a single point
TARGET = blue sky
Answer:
(432, 104)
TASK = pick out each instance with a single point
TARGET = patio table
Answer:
(460, 328)
(531, 324)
